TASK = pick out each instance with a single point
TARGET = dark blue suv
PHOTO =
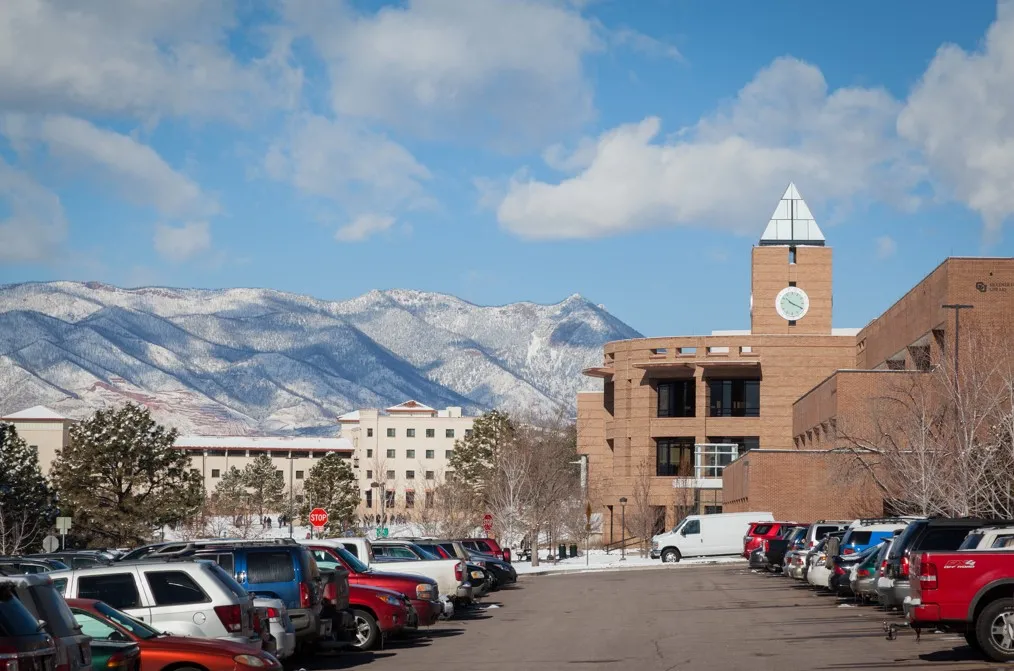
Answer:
(279, 571)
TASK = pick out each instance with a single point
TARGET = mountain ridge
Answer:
(263, 361)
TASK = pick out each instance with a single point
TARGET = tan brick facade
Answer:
(812, 380)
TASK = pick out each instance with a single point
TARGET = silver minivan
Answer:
(40, 596)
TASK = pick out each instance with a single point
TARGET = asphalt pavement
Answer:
(692, 617)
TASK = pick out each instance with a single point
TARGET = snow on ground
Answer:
(599, 560)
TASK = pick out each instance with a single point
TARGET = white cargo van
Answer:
(706, 536)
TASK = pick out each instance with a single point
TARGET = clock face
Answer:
(792, 303)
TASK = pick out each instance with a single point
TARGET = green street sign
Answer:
(381, 532)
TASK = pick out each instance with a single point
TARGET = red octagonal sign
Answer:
(318, 517)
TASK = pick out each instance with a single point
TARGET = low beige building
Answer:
(213, 456)
(46, 431)
(403, 453)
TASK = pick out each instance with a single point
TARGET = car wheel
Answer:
(365, 632)
(671, 556)
(994, 630)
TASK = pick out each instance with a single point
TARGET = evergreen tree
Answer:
(230, 495)
(265, 485)
(333, 486)
(475, 455)
(121, 477)
(27, 503)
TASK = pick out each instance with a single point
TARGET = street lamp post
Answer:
(957, 307)
(623, 528)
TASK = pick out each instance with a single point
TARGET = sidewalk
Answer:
(598, 560)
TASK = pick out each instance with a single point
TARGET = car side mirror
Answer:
(683, 533)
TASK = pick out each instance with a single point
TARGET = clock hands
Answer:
(798, 307)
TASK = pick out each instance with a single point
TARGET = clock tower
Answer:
(791, 276)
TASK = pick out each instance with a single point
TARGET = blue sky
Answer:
(503, 150)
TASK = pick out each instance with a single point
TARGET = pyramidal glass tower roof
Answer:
(792, 223)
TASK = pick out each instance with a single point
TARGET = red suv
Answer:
(760, 532)
(487, 546)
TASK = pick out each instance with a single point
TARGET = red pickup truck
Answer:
(971, 592)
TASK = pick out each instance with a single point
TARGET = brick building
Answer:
(739, 420)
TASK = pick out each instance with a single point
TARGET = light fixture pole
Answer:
(292, 508)
(623, 528)
(957, 307)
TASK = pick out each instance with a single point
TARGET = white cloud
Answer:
(645, 44)
(132, 168)
(184, 242)
(886, 247)
(726, 171)
(505, 68)
(35, 229)
(363, 226)
(961, 116)
(344, 162)
(124, 57)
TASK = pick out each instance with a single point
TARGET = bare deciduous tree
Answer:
(641, 514)
(939, 441)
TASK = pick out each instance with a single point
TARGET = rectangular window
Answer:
(390, 454)
(792, 255)
(300, 455)
(675, 457)
(216, 473)
(368, 496)
(429, 499)
(390, 499)
(431, 433)
(119, 590)
(410, 475)
(390, 475)
(677, 398)
(448, 454)
(299, 475)
(431, 454)
(746, 443)
(734, 398)
(449, 433)
(174, 588)
(712, 510)
(410, 433)
(216, 453)
(468, 433)
(369, 475)
(711, 459)
(369, 432)
(268, 567)
(256, 453)
(390, 433)
(410, 454)
(369, 453)
(429, 475)
(410, 499)
(279, 472)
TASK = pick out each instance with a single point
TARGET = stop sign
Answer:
(318, 517)
(487, 522)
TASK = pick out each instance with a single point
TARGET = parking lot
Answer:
(682, 617)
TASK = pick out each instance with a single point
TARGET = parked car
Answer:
(775, 548)
(864, 534)
(21, 565)
(450, 575)
(703, 535)
(42, 599)
(162, 652)
(423, 592)
(378, 613)
(921, 536)
(280, 629)
(24, 645)
(278, 569)
(181, 597)
(488, 546)
(968, 593)
(762, 526)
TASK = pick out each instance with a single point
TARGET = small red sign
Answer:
(487, 522)
(318, 517)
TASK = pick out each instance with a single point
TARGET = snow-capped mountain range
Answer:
(257, 361)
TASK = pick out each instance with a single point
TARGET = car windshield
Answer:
(350, 560)
(902, 542)
(426, 554)
(136, 628)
